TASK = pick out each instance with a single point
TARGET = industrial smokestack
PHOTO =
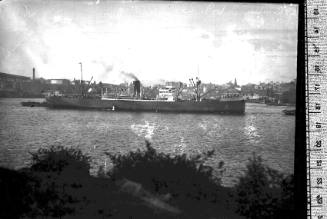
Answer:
(137, 88)
(33, 74)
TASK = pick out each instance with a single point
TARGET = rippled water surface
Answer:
(263, 130)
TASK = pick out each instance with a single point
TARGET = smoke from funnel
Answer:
(130, 75)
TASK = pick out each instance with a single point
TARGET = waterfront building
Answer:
(12, 85)
(11, 82)
(58, 81)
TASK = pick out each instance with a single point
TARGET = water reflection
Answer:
(145, 130)
(250, 130)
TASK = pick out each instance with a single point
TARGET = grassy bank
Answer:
(141, 184)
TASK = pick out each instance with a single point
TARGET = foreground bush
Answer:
(141, 184)
(58, 158)
(179, 175)
(186, 180)
(264, 192)
(58, 175)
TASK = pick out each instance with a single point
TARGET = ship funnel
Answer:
(33, 74)
(137, 88)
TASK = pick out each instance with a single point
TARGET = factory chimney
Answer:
(33, 74)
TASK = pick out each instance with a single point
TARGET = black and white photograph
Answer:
(147, 109)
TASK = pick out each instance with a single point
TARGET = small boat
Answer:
(33, 104)
(289, 112)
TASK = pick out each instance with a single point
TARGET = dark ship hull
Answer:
(204, 106)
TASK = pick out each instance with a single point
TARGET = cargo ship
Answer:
(166, 102)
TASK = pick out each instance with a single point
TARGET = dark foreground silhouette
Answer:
(141, 184)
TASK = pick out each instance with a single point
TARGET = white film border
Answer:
(316, 106)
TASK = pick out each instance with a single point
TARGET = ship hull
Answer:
(204, 106)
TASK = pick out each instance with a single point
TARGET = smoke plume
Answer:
(129, 75)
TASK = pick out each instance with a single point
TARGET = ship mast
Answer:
(81, 78)
(81, 71)
(196, 88)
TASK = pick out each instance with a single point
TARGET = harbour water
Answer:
(263, 130)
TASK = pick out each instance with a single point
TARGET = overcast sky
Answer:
(156, 41)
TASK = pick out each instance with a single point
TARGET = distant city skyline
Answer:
(155, 41)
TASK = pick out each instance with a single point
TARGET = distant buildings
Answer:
(21, 86)
(11, 84)
(276, 92)
(58, 81)
(9, 81)
(174, 84)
